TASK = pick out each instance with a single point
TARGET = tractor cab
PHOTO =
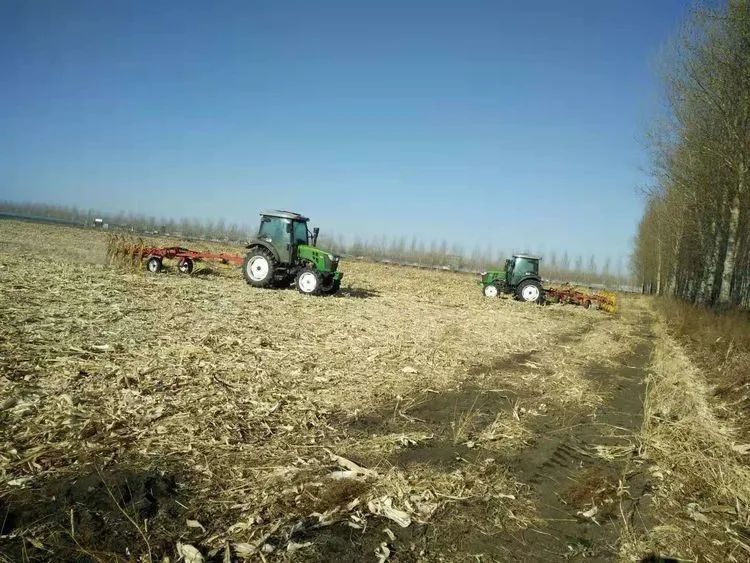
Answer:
(520, 277)
(521, 267)
(285, 251)
(286, 231)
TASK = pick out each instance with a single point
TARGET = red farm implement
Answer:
(185, 257)
(605, 300)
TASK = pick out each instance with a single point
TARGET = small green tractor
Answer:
(520, 277)
(285, 252)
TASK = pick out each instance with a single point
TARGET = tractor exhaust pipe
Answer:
(316, 232)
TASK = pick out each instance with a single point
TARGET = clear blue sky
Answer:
(516, 123)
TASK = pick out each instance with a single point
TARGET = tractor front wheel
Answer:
(308, 281)
(258, 267)
(491, 290)
(530, 291)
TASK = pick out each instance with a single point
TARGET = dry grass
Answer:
(700, 475)
(719, 343)
(260, 402)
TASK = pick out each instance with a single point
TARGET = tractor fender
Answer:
(268, 246)
(526, 278)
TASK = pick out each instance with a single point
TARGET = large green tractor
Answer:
(520, 277)
(284, 252)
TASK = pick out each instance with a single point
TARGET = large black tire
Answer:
(258, 267)
(530, 291)
(153, 265)
(331, 288)
(308, 281)
(185, 266)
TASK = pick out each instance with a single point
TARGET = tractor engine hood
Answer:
(323, 260)
(492, 275)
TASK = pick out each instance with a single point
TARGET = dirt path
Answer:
(579, 470)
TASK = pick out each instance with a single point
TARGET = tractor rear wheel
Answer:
(154, 265)
(308, 281)
(185, 266)
(258, 267)
(529, 291)
(491, 290)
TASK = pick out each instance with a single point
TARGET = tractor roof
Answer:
(284, 215)
(526, 256)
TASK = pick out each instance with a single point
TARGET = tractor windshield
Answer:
(300, 233)
(274, 228)
(527, 266)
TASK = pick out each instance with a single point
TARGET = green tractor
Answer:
(284, 252)
(520, 277)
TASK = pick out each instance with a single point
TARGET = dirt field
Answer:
(407, 418)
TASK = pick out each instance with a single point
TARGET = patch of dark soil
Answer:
(510, 363)
(344, 544)
(593, 486)
(442, 413)
(460, 409)
(443, 454)
(329, 495)
(376, 422)
(566, 477)
(90, 516)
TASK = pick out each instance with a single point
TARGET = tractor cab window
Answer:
(274, 228)
(300, 233)
(528, 266)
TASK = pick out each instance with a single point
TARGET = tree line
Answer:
(434, 254)
(693, 240)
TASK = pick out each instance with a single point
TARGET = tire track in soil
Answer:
(565, 475)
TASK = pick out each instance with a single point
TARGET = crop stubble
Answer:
(279, 424)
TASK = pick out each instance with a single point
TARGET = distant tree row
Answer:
(190, 228)
(403, 250)
(693, 240)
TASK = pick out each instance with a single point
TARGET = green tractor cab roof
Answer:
(529, 257)
(284, 215)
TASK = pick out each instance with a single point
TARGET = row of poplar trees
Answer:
(693, 241)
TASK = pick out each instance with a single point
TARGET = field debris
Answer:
(384, 507)
(398, 402)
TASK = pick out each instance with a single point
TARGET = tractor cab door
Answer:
(524, 267)
(277, 231)
(509, 265)
(300, 235)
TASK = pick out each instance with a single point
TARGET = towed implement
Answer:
(185, 257)
(284, 252)
(605, 300)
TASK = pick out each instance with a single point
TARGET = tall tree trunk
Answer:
(658, 267)
(730, 257)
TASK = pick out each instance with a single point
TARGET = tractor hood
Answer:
(323, 260)
(491, 275)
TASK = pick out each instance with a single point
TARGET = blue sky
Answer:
(513, 123)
